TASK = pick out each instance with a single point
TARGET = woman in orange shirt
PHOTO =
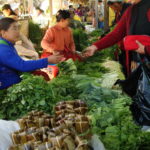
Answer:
(59, 38)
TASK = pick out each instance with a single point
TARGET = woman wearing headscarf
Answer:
(135, 21)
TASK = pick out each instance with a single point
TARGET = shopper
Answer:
(119, 7)
(135, 21)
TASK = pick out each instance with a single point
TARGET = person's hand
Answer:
(56, 52)
(99, 37)
(133, 65)
(54, 59)
(141, 49)
(89, 51)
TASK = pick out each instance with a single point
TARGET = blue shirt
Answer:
(11, 64)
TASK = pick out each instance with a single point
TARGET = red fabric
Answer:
(130, 41)
(117, 35)
(127, 62)
(120, 31)
(45, 54)
(53, 72)
(41, 73)
(48, 73)
(148, 14)
(71, 54)
(147, 50)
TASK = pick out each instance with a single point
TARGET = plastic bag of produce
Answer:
(6, 128)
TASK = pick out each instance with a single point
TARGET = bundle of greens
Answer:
(80, 39)
(35, 34)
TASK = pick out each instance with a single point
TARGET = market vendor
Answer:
(59, 38)
(10, 62)
(135, 21)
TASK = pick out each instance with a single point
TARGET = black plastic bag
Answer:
(137, 85)
(141, 101)
(129, 86)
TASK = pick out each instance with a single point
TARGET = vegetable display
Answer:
(91, 81)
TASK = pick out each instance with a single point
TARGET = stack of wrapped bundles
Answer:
(68, 129)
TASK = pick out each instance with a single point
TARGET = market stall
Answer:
(80, 109)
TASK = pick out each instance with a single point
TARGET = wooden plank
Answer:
(51, 8)
(106, 16)
(96, 13)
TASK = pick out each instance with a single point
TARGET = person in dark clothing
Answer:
(135, 21)
(119, 7)
(10, 62)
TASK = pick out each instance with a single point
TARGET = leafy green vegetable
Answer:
(30, 94)
(35, 34)
(96, 33)
(80, 39)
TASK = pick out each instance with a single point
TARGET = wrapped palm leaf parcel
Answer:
(68, 129)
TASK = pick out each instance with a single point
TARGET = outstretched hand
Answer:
(54, 59)
(141, 49)
(89, 51)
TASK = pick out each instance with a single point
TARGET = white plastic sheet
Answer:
(6, 128)
(96, 143)
(146, 128)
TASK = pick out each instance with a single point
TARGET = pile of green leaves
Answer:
(33, 93)
(96, 33)
(80, 39)
(112, 120)
(35, 34)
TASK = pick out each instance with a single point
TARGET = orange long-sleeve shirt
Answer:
(58, 38)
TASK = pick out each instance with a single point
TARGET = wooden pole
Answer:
(96, 13)
(106, 16)
(51, 8)
(61, 4)
(30, 6)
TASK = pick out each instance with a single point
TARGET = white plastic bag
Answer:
(96, 143)
(146, 128)
(6, 128)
